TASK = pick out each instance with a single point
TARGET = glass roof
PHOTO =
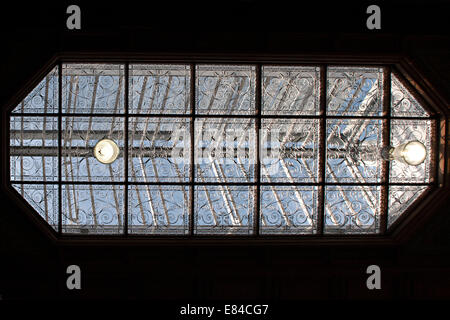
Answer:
(218, 149)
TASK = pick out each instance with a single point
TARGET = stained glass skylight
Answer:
(218, 149)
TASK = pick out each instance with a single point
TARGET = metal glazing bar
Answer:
(125, 146)
(322, 148)
(386, 133)
(192, 104)
(60, 88)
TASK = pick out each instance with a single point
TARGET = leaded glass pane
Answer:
(400, 198)
(33, 148)
(403, 103)
(92, 209)
(158, 209)
(403, 131)
(354, 91)
(225, 150)
(43, 198)
(288, 210)
(79, 136)
(43, 98)
(159, 89)
(93, 88)
(290, 149)
(290, 90)
(225, 89)
(353, 150)
(352, 209)
(159, 149)
(223, 209)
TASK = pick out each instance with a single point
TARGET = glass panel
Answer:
(43, 98)
(403, 131)
(400, 198)
(225, 150)
(79, 137)
(43, 198)
(353, 150)
(290, 149)
(93, 88)
(354, 91)
(33, 149)
(288, 210)
(158, 209)
(160, 89)
(290, 90)
(159, 149)
(92, 209)
(403, 103)
(352, 209)
(224, 209)
(225, 89)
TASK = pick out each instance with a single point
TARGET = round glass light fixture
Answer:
(106, 151)
(412, 153)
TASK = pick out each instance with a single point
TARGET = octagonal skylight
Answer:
(218, 149)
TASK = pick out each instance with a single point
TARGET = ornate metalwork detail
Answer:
(290, 149)
(43, 198)
(352, 209)
(79, 136)
(403, 103)
(225, 150)
(409, 130)
(225, 89)
(159, 149)
(290, 90)
(89, 209)
(93, 88)
(43, 98)
(400, 198)
(163, 89)
(223, 209)
(158, 209)
(288, 210)
(224, 181)
(33, 149)
(354, 91)
(353, 150)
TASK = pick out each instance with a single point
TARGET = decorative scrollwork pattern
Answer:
(79, 136)
(409, 130)
(158, 209)
(290, 90)
(159, 149)
(353, 150)
(93, 88)
(224, 209)
(33, 149)
(354, 91)
(352, 209)
(43, 98)
(403, 103)
(290, 149)
(43, 198)
(92, 209)
(225, 89)
(400, 198)
(162, 89)
(288, 210)
(225, 150)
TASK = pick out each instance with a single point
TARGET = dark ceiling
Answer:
(34, 268)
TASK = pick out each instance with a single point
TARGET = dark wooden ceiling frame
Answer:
(403, 67)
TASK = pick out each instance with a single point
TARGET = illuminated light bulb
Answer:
(414, 153)
(106, 151)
